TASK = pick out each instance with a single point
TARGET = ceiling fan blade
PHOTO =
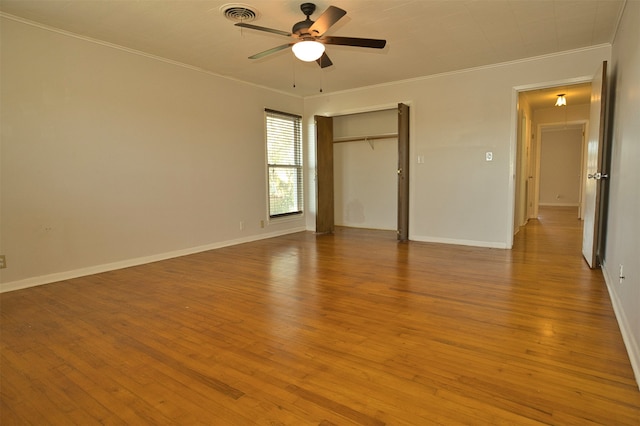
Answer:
(326, 20)
(270, 51)
(354, 41)
(324, 61)
(269, 30)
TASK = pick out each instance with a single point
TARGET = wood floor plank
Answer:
(346, 329)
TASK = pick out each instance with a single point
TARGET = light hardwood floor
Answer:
(304, 329)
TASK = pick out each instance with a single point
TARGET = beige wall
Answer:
(110, 158)
(560, 167)
(623, 224)
(455, 195)
(365, 178)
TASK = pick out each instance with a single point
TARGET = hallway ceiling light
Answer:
(561, 101)
(308, 50)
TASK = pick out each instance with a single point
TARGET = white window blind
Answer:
(284, 163)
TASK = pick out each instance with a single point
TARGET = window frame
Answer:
(297, 166)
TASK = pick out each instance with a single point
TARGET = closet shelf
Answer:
(366, 138)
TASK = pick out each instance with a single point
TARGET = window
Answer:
(284, 163)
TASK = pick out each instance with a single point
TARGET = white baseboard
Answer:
(632, 345)
(96, 269)
(486, 244)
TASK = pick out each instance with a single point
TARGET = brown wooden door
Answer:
(403, 172)
(593, 229)
(324, 174)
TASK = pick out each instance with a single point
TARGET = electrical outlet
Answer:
(621, 274)
(241, 225)
(488, 156)
(3, 261)
(262, 224)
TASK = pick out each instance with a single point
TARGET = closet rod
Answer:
(366, 138)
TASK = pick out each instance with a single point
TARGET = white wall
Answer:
(560, 167)
(365, 178)
(110, 158)
(455, 195)
(623, 238)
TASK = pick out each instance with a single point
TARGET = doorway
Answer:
(325, 140)
(538, 115)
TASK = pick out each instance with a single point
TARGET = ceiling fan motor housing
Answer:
(308, 9)
(302, 27)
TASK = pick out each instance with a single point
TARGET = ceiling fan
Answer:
(309, 39)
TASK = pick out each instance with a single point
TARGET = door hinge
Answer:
(597, 176)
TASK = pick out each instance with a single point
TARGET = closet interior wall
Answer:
(365, 154)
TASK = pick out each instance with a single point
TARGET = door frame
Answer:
(515, 130)
(324, 174)
(583, 166)
(404, 170)
(394, 106)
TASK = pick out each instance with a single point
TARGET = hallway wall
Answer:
(560, 167)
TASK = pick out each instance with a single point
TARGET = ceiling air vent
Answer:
(238, 12)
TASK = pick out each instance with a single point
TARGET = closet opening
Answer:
(363, 171)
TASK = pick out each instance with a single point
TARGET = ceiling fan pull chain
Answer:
(293, 69)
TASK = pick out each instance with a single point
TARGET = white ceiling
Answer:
(424, 37)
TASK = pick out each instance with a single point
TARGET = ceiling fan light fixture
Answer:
(308, 50)
(561, 101)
